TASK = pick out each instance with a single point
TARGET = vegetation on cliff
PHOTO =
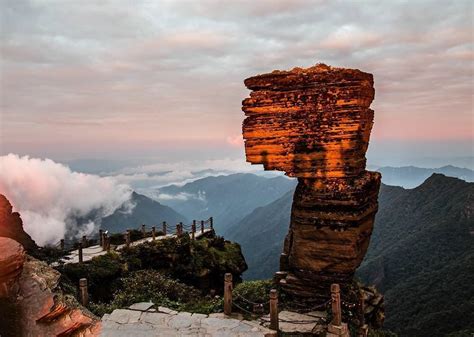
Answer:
(176, 272)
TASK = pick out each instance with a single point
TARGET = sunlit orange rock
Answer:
(31, 300)
(11, 225)
(12, 257)
(314, 124)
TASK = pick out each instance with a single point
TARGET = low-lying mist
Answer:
(51, 198)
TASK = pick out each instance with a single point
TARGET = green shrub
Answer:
(252, 291)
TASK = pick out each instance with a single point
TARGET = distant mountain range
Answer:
(421, 253)
(146, 211)
(226, 198)
(411, 176)
(421, 256)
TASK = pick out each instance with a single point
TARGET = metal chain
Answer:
(243, 309)
(249, 301)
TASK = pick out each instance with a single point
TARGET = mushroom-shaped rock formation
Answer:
(314, 124)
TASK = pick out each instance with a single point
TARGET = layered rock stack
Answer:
(314, 124)
(11, 225)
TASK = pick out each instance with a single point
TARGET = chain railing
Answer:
(106, 240)
(233, 300)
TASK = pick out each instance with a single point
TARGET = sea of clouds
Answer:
(52, 199)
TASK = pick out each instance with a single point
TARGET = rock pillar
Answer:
(314, 124)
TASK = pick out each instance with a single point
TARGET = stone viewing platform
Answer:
(144, 319)
(93, 251)
(86, 253)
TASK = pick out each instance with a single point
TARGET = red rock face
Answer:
(315, 124)
(12, 257)
(11, 225)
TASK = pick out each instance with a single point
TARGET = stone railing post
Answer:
(336, 328)
(227, 293)
(211, 222)
(202, 226)
(61, 244)
(84, 241)
(180, 228)
(284, 262)
(127, 238)
(101, 233)
(274, 309)
(143, 230)
(81, 259)
(193, 230)
(164, 227)
(84, 296)
(104, 241)
(108, 244)
(153, 232)
(336, 304)
(177, 229)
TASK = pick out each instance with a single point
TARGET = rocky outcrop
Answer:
(314, 124)
(12, 257)
(31, 302)
(11, 225)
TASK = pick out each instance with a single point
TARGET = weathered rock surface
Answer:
(11, 225)
(314, 124)
(35, 306)
(12, 257)
(310, 123)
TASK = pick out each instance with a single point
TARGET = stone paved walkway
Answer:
(142, 319)
(93, 251)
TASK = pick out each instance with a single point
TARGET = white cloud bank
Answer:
(50, 197)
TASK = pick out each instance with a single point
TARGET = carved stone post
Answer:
(336, 328)
(84, 296)
(227, 293)
(84, 241)
(273, 309)
(202, 226)
(61, 244)
(193, 230)
(164, 227)
(143, 230)
(153, 232)
(211, 222)
(284, 263)
(177, 229)
(336, 304)
(104, 241)
(127, 238)
(108, 245)
(101, 233)
(80, 252)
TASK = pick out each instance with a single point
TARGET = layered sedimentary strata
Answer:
(314, 124)
(11, 225)
(12, 257)
(31, 300)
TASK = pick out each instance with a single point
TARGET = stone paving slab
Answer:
(296, 323)
(169, 323)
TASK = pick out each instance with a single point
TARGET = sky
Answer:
(163, 80)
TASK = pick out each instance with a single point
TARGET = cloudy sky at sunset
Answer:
(121, 79)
